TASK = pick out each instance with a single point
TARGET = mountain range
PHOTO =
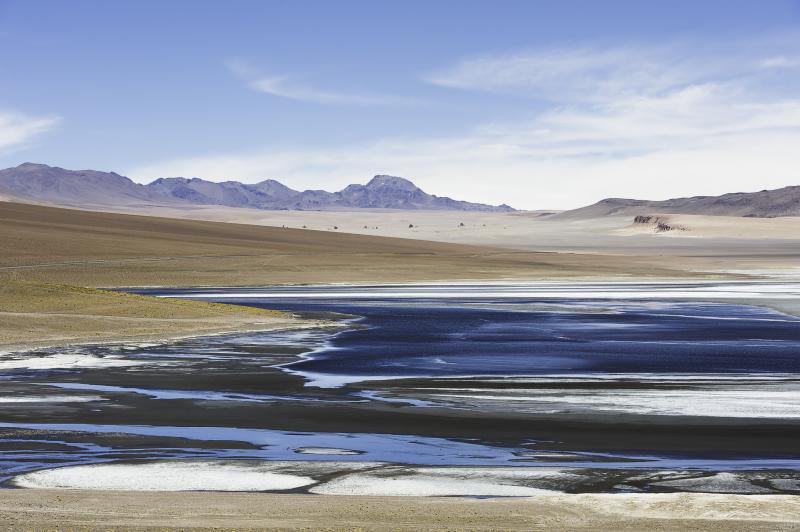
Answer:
(91, 188)
(40, 183)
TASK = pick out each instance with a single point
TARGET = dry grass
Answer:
(28, 297)
(36, 315)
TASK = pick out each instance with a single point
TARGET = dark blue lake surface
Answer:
(436, 341)
(519, 336)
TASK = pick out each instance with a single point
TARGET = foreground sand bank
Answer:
(90, 510)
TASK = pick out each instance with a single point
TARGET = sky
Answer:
(538, 104)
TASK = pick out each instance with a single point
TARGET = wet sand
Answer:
(93, 510)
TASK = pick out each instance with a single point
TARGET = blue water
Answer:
(463, 341)
(515, 337)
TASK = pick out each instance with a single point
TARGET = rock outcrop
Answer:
(659, 224)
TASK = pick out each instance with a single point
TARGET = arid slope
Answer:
(85, 248)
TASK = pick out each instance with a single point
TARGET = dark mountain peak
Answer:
(33, 166)
(163, 180)
(166, 180)
(392, 192)
(275, 189)
(271, 182)
(390, 181)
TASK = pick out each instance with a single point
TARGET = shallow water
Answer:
(614, 376)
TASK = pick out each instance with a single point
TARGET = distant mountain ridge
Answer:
(763, 204)
(90, 188)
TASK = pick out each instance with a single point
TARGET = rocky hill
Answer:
(48, 184)
(764, 204)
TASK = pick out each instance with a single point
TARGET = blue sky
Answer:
(536, 104)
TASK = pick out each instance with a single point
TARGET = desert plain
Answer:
(56, 266)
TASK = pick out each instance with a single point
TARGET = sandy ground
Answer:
(709, 241)
(88, 510)
(517, 228)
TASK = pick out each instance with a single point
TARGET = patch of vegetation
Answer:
(26, 296)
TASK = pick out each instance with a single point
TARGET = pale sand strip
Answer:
(103, 510)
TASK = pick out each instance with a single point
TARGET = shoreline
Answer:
(784, 306)
(161, 339)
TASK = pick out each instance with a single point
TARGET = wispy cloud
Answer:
(285, 86)
(781, 61)
(17, 129)
(621, 121)
(585, 74)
